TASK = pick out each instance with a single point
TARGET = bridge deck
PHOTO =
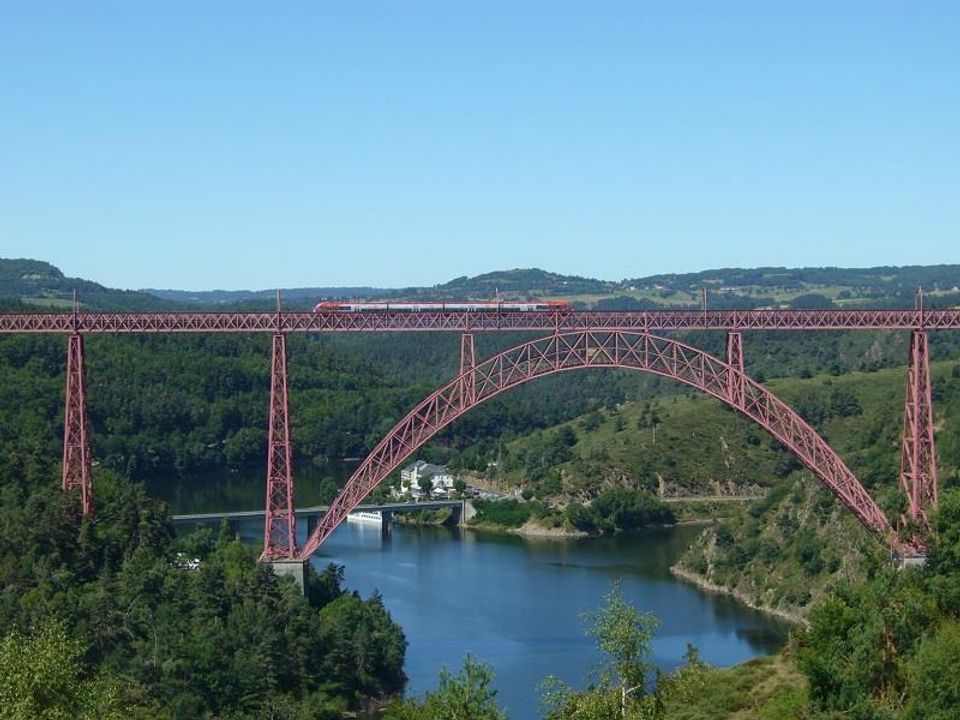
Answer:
(459, 321)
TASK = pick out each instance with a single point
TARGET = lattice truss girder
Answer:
(596, 348)
(445, 321)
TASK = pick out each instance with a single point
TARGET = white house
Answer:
(441, 480)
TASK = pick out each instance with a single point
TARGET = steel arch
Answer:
(602, 349)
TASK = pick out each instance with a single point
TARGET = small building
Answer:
(440, 479)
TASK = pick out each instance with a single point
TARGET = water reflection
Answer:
(243, 488)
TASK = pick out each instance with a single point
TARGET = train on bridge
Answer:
(331, 306)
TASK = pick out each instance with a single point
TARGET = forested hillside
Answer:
(112, 617)
(726, 288)
(182, 405)
(43, 284)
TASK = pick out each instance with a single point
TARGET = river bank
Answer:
(534, 531)
(704, 584)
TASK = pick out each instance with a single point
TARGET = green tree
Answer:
(561, 702)
(944, 557)
(854, 651)
(425, 484)
(225, 639)
(623, 634)
(468, 695)
(42, 677)
(845, 403)
(364, 649)
(934, 676)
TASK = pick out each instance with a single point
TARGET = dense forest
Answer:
(183, 405)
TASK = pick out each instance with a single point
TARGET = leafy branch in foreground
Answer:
(468, 695)
(42, 677)
(624, 635)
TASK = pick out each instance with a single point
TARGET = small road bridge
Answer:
(318, 511)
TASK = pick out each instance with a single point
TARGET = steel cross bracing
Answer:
(602, 349)
(434, 321)
(735, 360)
(468, 359)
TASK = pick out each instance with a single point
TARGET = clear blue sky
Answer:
(259, 144)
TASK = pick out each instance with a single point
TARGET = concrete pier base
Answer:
(297, 569)
(910, 561)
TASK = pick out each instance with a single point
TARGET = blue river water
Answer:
(512, 602)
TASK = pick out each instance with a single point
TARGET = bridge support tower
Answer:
(280, 521)
(76, 434)
(918, 459)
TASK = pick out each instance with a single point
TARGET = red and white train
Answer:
(331, 306)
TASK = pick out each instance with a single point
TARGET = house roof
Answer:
(425, 469)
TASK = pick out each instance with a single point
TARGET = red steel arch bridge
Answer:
(572, 340)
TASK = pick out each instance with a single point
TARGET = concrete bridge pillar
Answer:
(467, 511)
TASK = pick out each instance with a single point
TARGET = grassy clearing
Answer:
(768, 688)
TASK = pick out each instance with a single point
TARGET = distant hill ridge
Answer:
(36, 282)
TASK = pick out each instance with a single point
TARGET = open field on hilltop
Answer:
(51, 303)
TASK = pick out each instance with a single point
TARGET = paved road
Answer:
(713, 498)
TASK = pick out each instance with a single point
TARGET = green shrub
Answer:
(507, 513)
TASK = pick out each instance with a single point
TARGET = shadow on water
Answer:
(242, 488)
